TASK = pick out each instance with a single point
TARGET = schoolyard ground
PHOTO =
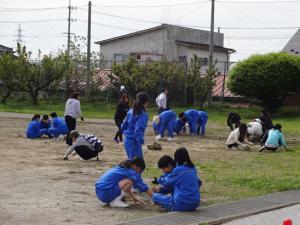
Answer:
(38, 187)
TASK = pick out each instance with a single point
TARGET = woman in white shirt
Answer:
(72, 112)
(161, 101)
(237, 138)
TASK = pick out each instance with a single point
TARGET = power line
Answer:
(3, 9)
(107, 25)
(152, 6)
(256, 2)
(32, 21)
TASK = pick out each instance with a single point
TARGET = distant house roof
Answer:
(104, 76)
(204, 46)
(4, 49)
(293, 45)
(217, 90)
(162, 26)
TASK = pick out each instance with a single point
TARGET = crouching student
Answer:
(191, 117)
(203, 117)
(165, 120)
(59, 126)
(45, 123)
(237, 138)
(166, 164)
(179, 127)
(134, 126)
(233, 119)
(113, 185)
(33, 129)
(185, 185)
(87, 146)
(255, 130)
(275, 139)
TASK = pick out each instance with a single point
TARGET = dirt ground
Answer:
(38, 187)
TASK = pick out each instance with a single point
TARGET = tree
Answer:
(9, 76)
(268, 78)
(200, 84)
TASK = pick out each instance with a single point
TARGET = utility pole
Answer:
(68, 76)
(88, 66)
(211, 49)
(19, 36)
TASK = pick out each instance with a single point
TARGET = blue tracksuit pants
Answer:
(167, 202)
(133, 148)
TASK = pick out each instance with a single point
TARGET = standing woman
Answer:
(72, 112)
(121, 112)
(134, 126)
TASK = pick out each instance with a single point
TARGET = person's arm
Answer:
(140, 127)
(69, 151)
(124, 125)
(78, 111)
(169, 180)
(283, 141)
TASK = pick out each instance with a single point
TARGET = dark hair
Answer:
(74, 134)
(243, 131)
(181, 156)
(140, 163)
(165, 161)
(164, 89)
(53, 114)
(141, 99)
(277, 127)
(75, 95)
(122, 99)
(45, 117)
(181, 115)
(36, 116)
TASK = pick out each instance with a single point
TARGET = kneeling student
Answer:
(59, 126)
(45, 123)
(33, 129)
(185, 185)
(112, 186)
(166, 164)
(165, 120)
(237, 138)
(87, 146)
(275, 139)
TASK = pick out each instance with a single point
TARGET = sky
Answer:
(44, 23)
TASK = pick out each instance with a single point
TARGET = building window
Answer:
(182, 58)
(120, 58)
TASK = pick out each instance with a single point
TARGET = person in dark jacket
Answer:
(121, 112)
(233, 118)
(267, 124)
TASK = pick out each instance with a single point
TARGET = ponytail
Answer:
(243, 131)
(141, 99)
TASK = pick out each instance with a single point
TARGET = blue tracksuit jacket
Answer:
(166, 121)
(185, 184)
(192, 117)
(112, 177)
(44, 125)
(178, 125)
(34, 131)
(203, 117)
(58, 127)
(134, 127)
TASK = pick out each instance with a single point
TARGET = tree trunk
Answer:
(5, 97)
(34, 97)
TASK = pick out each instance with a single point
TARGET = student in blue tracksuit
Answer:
(115, 183)
(191, 117)
(165, 120)
(185, 185)
(33, 129)
(203, 117)
(166, 164)
(59, 126)
(179, 125)
(134, 126)
(45, 123)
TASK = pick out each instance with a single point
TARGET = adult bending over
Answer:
(72, 112)
(87, 146)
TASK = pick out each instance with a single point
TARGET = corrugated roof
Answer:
(217, 90)
(104, 76)
(204, 46)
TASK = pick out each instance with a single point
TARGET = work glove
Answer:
(154, 181)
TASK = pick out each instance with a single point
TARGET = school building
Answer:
(170, 42)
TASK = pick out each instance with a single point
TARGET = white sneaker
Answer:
(103, 203)
(170, 139)
(118, 204)
(158, 137)
(60, 137)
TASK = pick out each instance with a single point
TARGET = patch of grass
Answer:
(249, 174)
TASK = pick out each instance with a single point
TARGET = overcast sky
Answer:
(50, 36)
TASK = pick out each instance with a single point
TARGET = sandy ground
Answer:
(38, 187)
